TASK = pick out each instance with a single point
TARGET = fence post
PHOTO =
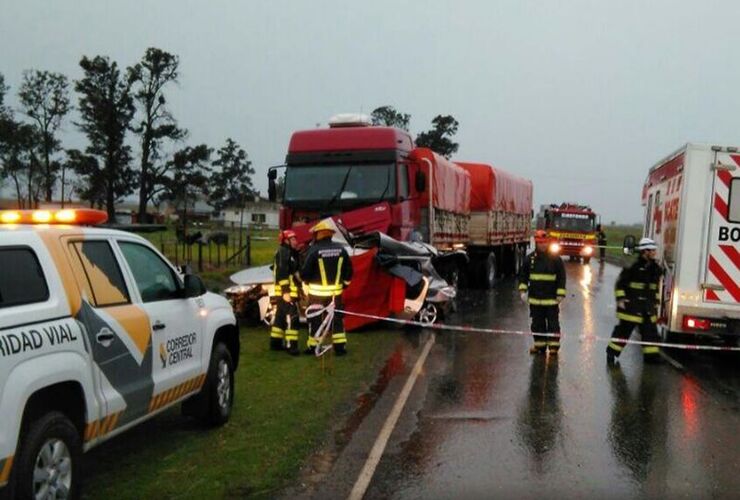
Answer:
(249, 250)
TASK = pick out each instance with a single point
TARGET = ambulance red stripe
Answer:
(725, 176)
(720, 206)
(732, 253)
(712, 295)
(726, 281)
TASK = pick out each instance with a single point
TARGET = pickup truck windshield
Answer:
(572, 222)
(339, 185)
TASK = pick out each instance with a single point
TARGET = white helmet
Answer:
(646, 244)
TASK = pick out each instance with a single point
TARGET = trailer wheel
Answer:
(490, 271)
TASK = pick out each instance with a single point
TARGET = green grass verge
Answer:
(615, 237)
(285, 408)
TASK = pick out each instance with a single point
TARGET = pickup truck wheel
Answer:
(220, 387)
(49, 457)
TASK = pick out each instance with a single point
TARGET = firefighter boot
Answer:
(612, 353)
(339, 341)
(538, 347)
(651, 355)
(276, 339)
(291, 342)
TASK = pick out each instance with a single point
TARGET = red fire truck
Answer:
(572, 229)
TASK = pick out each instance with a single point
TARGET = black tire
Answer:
(490, 271)
(586, 260)
(52, 427)
(216, 411)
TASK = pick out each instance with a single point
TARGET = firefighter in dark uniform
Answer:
(327, 271)
(601, 238)
(542, 285)
(637, 292)
(284, 331)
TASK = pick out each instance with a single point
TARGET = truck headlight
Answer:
(554, 247)
(588, 251)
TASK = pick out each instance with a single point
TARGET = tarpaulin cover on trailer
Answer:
(450, 183)
(496, 189)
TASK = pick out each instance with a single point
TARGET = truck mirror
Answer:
(272, 174)
(194, 286)
(421, 181)
(629, 244)
(271, 187)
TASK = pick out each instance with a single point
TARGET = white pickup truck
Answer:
(98, 332)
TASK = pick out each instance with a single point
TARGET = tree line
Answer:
(116, 107)
(119, 107)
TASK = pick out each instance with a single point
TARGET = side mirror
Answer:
(271, 186)
(194, 286)
(628, 246)
(421, 181)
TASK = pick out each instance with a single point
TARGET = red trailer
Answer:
(500, 221)
(375, 179)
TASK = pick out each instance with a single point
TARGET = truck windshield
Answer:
(572, 222)
(339, 185)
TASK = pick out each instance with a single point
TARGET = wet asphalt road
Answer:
(488, 420)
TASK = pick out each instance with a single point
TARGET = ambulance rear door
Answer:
(722, 267)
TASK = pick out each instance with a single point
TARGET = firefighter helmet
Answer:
(286, 235)
(646, 244)
(324, 225)
(540, 236)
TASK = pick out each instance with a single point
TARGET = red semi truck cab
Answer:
(373, 179)
(572, 229)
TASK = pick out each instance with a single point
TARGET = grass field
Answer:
(615, 237)
(285, 408)
(216, 277)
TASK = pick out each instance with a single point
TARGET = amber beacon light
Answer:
(76, 216)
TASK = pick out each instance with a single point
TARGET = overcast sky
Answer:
(580, 96)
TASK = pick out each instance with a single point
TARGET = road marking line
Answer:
(672, 361)
(376, 453)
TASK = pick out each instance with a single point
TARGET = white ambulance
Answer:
(692, 211)
(98, 332)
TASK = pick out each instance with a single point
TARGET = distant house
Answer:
(260, 213)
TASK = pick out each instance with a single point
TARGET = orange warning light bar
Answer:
(76, 216)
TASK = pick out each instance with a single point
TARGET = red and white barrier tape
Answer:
(466, 328)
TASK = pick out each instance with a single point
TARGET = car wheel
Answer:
(428, 314)
(219, 390)
(49, 457)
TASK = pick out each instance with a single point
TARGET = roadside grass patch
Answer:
(285, 408)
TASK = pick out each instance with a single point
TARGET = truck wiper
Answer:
(387, 184)
(341, 188)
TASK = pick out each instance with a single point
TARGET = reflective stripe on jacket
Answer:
(284, 268)
(543, 277)
(638, 288)
(327, 269)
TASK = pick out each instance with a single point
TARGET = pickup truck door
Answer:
(176, 323)
(118, 334)
(722, 271)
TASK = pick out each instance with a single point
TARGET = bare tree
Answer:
(156, 70)
(44, 97)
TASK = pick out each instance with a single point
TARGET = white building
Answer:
(260, 214)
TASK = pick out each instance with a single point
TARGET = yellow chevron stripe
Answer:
(94, 430)
(114, 421)
(5, 472)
